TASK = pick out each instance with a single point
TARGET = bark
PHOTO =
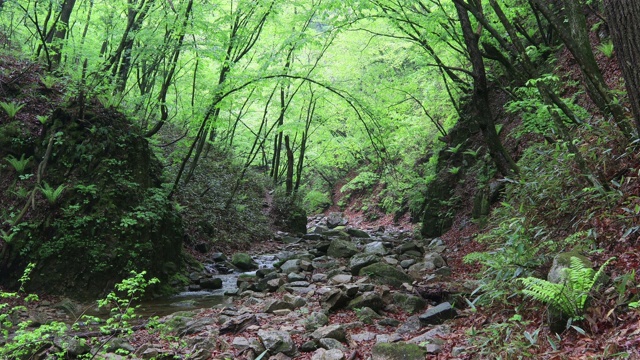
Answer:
(480, 98)
(623, 17)
(289, 175)
(61, 32)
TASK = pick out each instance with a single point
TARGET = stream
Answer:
(193, 300)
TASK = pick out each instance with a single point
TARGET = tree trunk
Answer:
(623, 17)
(289, 176)
(480, 98)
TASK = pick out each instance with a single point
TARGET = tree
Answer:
(623, 17)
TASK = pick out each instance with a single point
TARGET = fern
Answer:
(570, 296)
(50, 193)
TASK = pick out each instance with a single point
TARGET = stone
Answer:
(295, 301)
(336, 219)
(405, 264)
(315, 321)
(397, 351)
(409, 303)
(318, 277)
(299, 284)
(359, 261)
(408, 246)
(350, 290)
(203, 247)
(369, 299)
(367, 315)
(376, 247)
(329, 344)
(334, 299)
(294, 276)
(389, 322)
(438, 314)
(433, 336)
(434, 260)
(73, 346)
(388, 338)
(290, 266)
(363, 336)
(561, 262)
(273, 305)
(243, 262)
(240, 343)
(332, 354)
(309, 346)
(341, 279)
(211, 283)
(357, 233)
(330, 331)
(411, 325)
(277, 342)
(385, 274)
(443, 271)
(238, 324)
(341, 249)
(117, 344)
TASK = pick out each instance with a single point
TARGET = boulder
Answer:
(409, 303)
(243, 262)
(397, 351)
(290, 266)
(315, 321)
(368, 299)
(330, 332)
(211, 283)
(333, 354)
(342, 249)
(376, 247)
(385, 274)
(438, 314)
(278, 342)
(358, 233)
(434, 260)
(359, 261)
(336, 219)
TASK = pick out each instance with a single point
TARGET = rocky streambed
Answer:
(336, 292)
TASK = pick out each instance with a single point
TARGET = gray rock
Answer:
(314, 236)
(294, 276)
(299, 284)
(273, 305)
(295, 301)
(350, 290)
(334, 299)
(290, 266)
(369, 299)
(309, 346)
(319, 277)
(117, 344)
(390, 260)
(331, 332)
(408, 246)
(397, 351)
(211, 283)
(389, 322)
(434, 260)
(388, 338)
(278, 342)
(240, 343)
(438, 314)
(341, 279)
(363, 336)
(443, 271)
(385, 274)
(358, 233)
(332, 354)
(341, 249)
(562, 261)
(433, 336)
(367, 315)
(376, 247)
(315, 321)
(409, 303)
(329, 344)
(336, 219)
(410, 326)
(244, 262)
(74, 346)
(407, 263)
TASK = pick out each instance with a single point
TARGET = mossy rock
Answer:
(244, 262)
(385, 274)
(397, 351)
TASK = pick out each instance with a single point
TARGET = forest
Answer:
(440, 179)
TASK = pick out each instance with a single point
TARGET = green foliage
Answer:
(26, 340)
(50, 193)
(19, 165)
(11, 108)
(571, 295)
(505, 340)
(365, 180)
(316, 201)
(122, 302)
(606, 48)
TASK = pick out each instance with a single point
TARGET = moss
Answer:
(385, 274)
(398, 351)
